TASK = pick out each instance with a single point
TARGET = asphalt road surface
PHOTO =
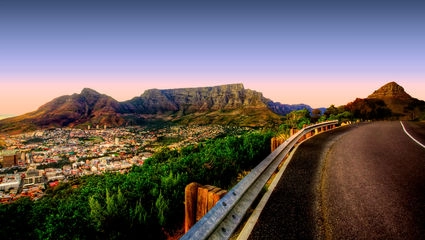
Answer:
(364, 181)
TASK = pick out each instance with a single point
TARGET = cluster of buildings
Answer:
(32, 162)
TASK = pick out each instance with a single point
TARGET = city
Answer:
(34, 161)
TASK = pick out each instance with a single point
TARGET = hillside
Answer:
(388, 102)
(70, 110)
(225, 104)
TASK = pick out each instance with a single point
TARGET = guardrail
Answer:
(222, 220)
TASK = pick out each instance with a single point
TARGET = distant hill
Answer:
(225, 104)
(388, 102)
(284, 109)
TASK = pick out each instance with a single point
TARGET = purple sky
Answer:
(313, 52)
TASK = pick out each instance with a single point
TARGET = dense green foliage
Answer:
(370, 109)
(58, 164)
(139, 204)
(338, 113)
(295, 119)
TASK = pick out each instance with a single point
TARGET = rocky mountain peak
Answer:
(89, 92)
(390, 90)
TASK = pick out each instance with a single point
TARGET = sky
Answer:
(306, 51)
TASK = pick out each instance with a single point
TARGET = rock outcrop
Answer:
(390, 90)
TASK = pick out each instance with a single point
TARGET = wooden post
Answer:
(191, 197)
(211, 201)
(198, 201)
(202, 204)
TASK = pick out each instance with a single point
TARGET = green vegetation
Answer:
(370, 109)
(58, 164)
(34, 140)
(140, 204)
(93, 139)
(295, 119)
(338, 113)
(168, 140)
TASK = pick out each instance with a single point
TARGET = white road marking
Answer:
(408, 134)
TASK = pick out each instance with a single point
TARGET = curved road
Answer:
(364, 181)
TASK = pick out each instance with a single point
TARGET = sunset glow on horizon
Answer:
(308, 52)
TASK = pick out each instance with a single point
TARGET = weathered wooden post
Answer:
(198, 201)
(191, 197)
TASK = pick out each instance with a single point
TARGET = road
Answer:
(364, 181)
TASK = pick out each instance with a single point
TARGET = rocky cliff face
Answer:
(191, 100)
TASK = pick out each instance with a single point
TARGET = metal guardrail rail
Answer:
(222, 220)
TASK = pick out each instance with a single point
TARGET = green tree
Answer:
(298, 118)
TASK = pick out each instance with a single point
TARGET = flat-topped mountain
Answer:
(225, 104)
(190, 100)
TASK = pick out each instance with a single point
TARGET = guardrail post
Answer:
(198, 201)
(191, 198)
(202, 204)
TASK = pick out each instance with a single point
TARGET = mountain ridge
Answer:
(223, 104)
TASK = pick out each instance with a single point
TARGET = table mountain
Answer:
(225, 104)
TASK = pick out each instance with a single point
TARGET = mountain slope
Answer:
(69, 110)
(225, 104)
(388, 102)
(401, 104)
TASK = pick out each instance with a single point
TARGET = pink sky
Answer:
(20, 96)
(312, 52)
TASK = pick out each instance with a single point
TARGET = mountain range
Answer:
(225, 104)
(230, 104)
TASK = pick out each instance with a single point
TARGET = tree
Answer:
(370, 109)
(315, 115)
(298, 118)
